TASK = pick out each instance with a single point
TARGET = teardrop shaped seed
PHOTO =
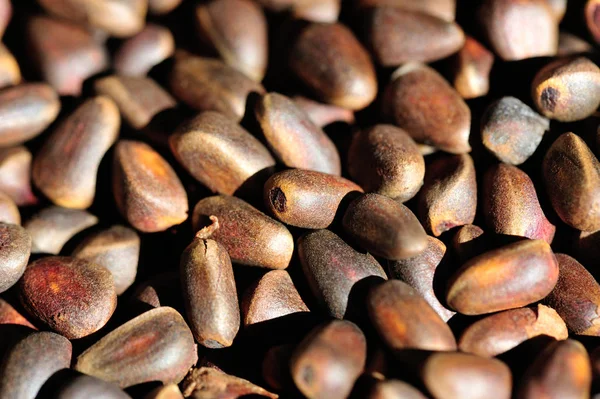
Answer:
(66, 167)
(332, 268)
(420, 101)
(334, 65)
(147, 190)
(305, 198)
(397, 36)
(237, 29)
(471, 69)
(250, 237)
(140, 53)
(15, 175)
(155, 346)
(508, 277)
(211, 300)
(15, 248)
(294, 138)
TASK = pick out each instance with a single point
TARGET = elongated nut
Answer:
(140, 53)
(15, 175)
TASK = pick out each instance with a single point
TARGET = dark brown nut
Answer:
(294, 138)
(139, 99)
(169, 391)
(592, 18)
(52, 227)
(271, 297)
(117, 249)
(569, 44)
(207, 84)
(15, 248)
(250, 237)
(140, 53)
(121, 18)
(334, 65)
(404, 319)
(26, 111)
(147, 191)
(318, 10)
(10, 73)
(218, 152)
(520, 29)
(275, 367)
(467, 242)
(30, 362)
(572, 177)
(66, 167)
(511, 130)
(208, 286)
(15, 175)
(394, 389)
(561, 371)
(444, 9)
(160, 7)
(384, 227)
(449, 195)
(72, 296)
(472, 67)
(66, 54)
(5, 15)
(237, 29)
(511, 206)
(385, 159)
(71, 384)
(576, 297)
(210, 383)
(324, 114)
(449, 375)
(419, 272)
(420, 101)
(9, 212)
(9, 315)
(397, 36)
(305, 198)
(509, 277)
(503, 331)
(155, 346)
(329, 360)
(332, 268)
(567, 89)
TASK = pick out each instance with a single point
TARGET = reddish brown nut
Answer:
(250, 237)
(139, 99)
(444, 9)
(207, 84)
(66, 54)
(519, 29)
(326, 258)
(168, 391)
(384, 227)
(160, 7)
(305, 198)
(140, 53)
(449, 195)
(567, 89)
(509, 277)
(15, 248)
(218, 152)
(333, 63)
(404, 319)
(390, 389)
(72, 296)
(329, 360)
(146, 188)
(511, 206)
(592, 18)
(324, 114)
(271, 297)
(420, 101)
(52, 227)
(294, 138)
(9, 315)
(10, 73)
(31, 361)
(511, 130)
(155, 346)
(26, 111)
(570, 45)
(503, 331)
(419, 272)
(318, 10)
(207, 383)
(117, 249)
(468, 242)
(9, 212)
(396, 35)
(237, 29)
(385, 159)
(561, 371)
(472, 66)
(66, 167)
(572, 176)
(15, 175)
(209, 291)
